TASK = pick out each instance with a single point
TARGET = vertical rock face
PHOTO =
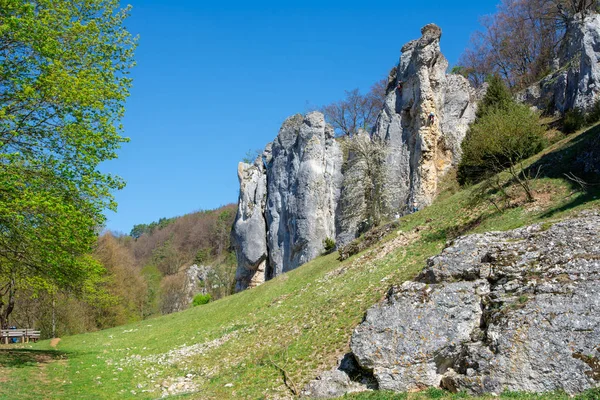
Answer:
(304, 181)
(422, 151)
(576, 81)
(249, 234)
(288, 201)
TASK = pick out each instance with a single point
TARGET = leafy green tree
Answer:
(501, 140)
(138, 230)
(63, 84)
(496, 96)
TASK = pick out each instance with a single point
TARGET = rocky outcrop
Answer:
(575, 83)
(303, 184)
(288, 200)
(249, 233)
(295, 196)
(421, 151)
(517, 311)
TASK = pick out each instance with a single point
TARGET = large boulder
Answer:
(516, 311)
(575, 83)
(304, 181)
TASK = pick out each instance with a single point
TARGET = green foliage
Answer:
(594, 114)
(498, 140)
(573, 120)
(167, 259)
(497, 96)
(152, 276)
(202, 256)
(141, 229)
(201, 299)
(329, 245)
(63, 86)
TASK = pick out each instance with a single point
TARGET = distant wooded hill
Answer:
(146, 275)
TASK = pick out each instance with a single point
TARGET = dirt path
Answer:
(54, 342)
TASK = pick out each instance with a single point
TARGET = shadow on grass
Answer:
(577, 201)
(580, 157)
(20, 358)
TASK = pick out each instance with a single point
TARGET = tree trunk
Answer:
(7, 308)
(53, 316)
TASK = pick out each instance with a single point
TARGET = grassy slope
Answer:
(301, 322)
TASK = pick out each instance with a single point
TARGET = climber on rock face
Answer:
(431, 118)
(400, 87)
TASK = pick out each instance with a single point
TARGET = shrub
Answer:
(201, 299)
(496, 96)
(329, 245)
(202, 256)
(594, 114)
(573, 120)
(499, 140)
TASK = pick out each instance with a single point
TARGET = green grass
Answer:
(300, 322)
(440, 394)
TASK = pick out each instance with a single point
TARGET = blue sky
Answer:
(217, 78)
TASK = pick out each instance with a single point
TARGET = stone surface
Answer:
(288, 201)
(576, 81)
(422, 152)
(249, 234)
(517, 311)
(347, 378)
(304, 182)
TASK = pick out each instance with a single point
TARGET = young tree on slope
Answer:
(503, 135)
(63, 85)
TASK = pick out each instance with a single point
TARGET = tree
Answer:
(365, 194)
(63, 85)
(496, 96)
(356, 111)
(521, 40)
(500, 140)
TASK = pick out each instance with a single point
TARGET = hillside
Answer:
(147, 274)
(268, 342)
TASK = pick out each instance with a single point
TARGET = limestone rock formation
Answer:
(249, 234)
(294, 197)
(303, 188)
(422, 151)
(288, 200)
(517, 311)
(576, 80)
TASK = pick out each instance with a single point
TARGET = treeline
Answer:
(143, 276)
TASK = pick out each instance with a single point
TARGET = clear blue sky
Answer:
(217, 78)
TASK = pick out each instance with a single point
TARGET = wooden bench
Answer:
(22, 335)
